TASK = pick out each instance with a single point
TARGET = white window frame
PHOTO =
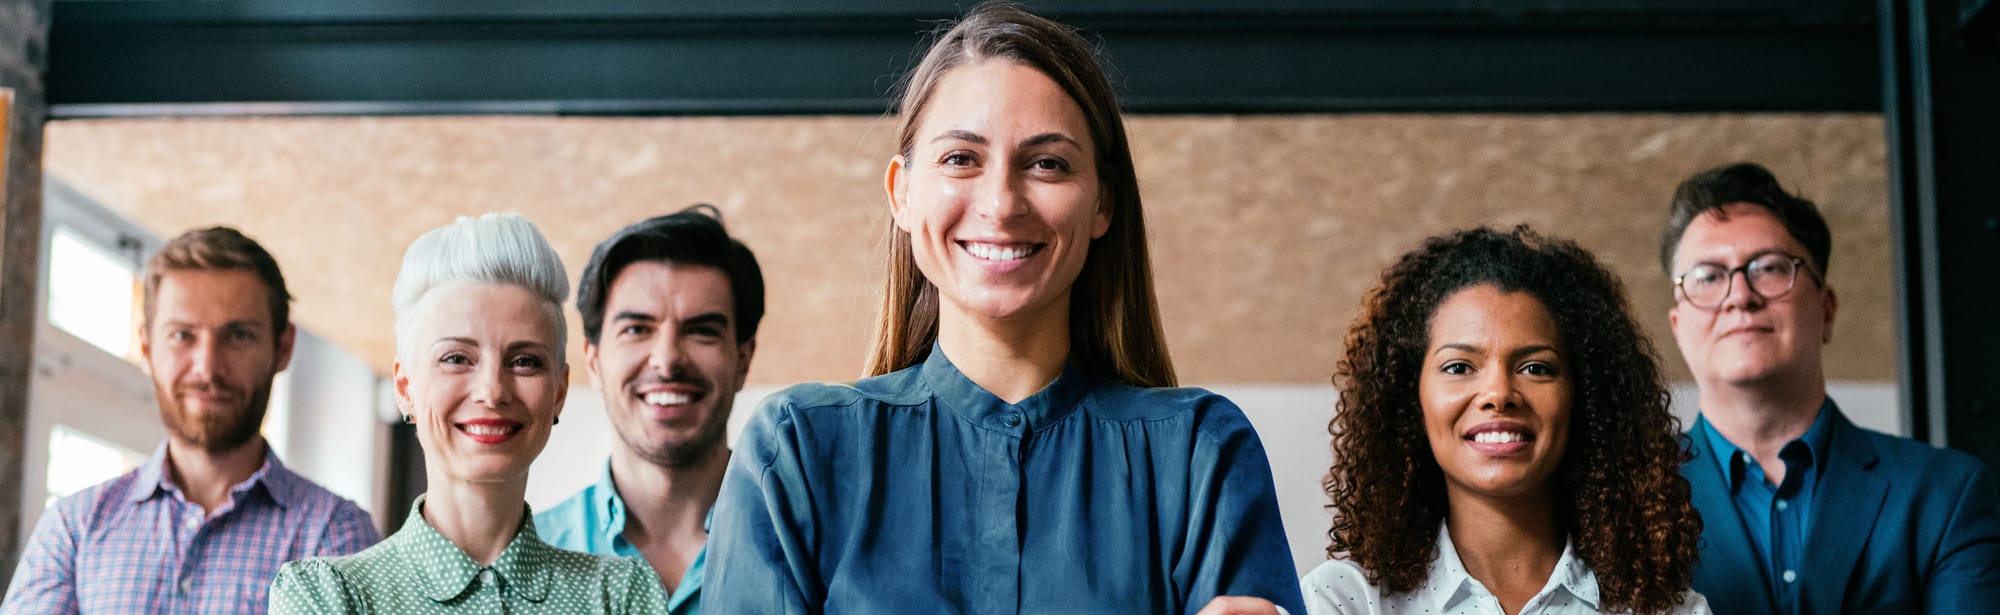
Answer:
(75, 383)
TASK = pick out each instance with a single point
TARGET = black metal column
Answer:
(1941, 102)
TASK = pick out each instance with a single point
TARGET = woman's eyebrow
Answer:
(961, 135)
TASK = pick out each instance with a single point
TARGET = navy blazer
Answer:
(1897, 527)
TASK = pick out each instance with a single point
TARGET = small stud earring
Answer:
(558, 421)
(409, 420)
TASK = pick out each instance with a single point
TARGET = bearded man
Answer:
(204, 524)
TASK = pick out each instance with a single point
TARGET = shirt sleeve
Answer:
(759, 557)
(350, 531)
(1966, 576)
(310, 586)
(1236, 543)
(45, 582)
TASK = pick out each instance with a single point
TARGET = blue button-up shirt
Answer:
(593, 521)
(135, 544)
(920, 492)
(1777, 515)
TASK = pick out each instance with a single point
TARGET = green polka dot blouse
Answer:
(418, 571)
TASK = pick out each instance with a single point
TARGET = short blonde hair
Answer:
(493, 248)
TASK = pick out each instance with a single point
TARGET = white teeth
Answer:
(992, 252)
(668, 398)
(488, 430)
(1498, 437)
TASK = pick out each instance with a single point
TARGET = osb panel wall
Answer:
(1266, 230)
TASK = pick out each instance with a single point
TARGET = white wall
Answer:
(1291, 421)
(325, 421)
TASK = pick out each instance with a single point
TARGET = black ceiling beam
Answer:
(640, 57)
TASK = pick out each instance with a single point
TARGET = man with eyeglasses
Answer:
(1803, 512)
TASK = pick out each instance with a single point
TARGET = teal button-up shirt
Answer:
(920, 492)
(593, 521)
(418, 570)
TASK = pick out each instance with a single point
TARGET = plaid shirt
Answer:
(134, 544)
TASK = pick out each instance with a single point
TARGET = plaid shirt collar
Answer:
(277, 482)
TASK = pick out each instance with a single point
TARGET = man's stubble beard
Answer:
(217, 431)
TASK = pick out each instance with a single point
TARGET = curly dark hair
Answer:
(1622, 499)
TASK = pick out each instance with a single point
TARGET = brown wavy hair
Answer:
(1114, 319)
(1622, 500)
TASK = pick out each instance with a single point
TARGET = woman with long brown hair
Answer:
(1503, 444)
(1013, 448)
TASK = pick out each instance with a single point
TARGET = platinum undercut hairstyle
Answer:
(490, 249)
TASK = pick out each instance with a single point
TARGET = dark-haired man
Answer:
(1803, 512)
(670, 310)
(203, 526)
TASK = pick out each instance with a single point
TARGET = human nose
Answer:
(203, 358)
(999, 195)
(489, 386)
(1497, 393)
(1739, 294)
(666, 354)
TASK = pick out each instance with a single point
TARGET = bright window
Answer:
(91, 291)
(77, 461)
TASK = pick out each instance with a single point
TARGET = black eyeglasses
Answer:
(1771, 276)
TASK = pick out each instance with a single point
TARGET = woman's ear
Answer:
(897, 184)
(402, 381)
(1102, 224)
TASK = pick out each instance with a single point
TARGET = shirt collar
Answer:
(983, 408)
(447, 572)
(614, 505)
(605, 494)
(1730, 457)
(277, 481)
(1449, 584)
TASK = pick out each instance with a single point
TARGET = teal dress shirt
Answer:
(418, 570)
(1777, 515)
(593, 521)
(920, 492)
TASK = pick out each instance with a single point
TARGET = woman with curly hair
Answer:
(1503, 443)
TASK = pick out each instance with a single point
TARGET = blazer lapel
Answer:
(1730, 572)
(1849, 497)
